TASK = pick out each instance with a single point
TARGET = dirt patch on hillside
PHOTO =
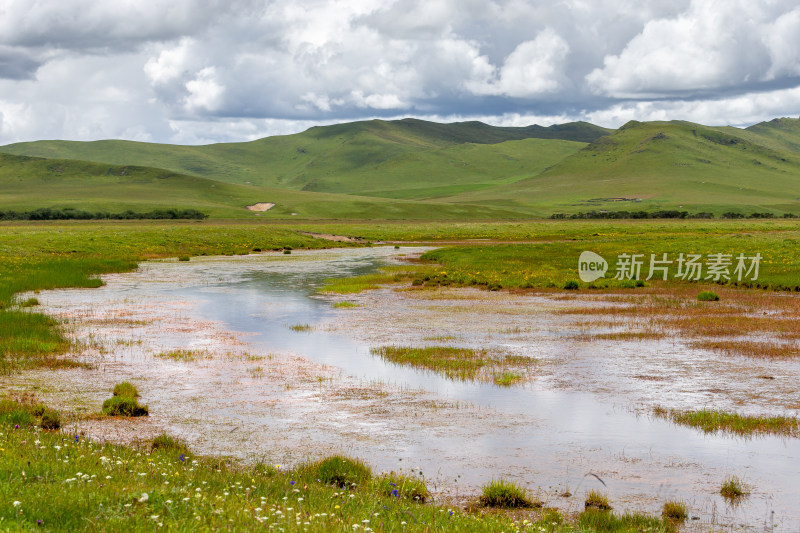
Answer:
(261, 207)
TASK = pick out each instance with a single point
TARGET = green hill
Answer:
(413, 169)
(667, 165)
(29, 183)
(324, 158)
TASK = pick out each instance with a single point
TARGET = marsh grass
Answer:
(674, 510)
(386, 275)
(300, 327)
(169, 444)
(455, 363)
(507, 378)
(598, 521)
(183, 354)
(338, 470)
(401, 486)
(125, 389)
(506, 494)
(597, 500)
(711, 421)
(708, 296)
(345, 305)
(733, 488)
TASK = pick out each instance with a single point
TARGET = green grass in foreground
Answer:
(455, 363)
(711, 421)
(63, 482)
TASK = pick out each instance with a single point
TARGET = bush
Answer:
(571, 285)
(337, 470)
(708, 296)
(126, 390)
(124, 406)
(506, 495)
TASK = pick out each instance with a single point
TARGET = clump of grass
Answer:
(51, 419)
(123, 402)
(184, 258)
(711, 421)
(572, 285)
(168, 444)
(399, 486)
(121, 406)
(708, 296)
(126, 390)
(339, 470)
(733, 488)
(597, 500)
(453, 362)
(674, 511)
(300, 327)
(507, 378)
(345, 305)
(30, 302)
(182, 355)
(603, 521)
(506, 495)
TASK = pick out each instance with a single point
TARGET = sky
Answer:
(203, 71)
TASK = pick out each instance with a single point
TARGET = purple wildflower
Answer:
(182, 457)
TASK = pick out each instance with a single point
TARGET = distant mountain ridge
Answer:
(427, 170)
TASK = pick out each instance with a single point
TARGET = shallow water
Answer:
(459, 434)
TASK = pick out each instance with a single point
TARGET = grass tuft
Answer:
(597, 500)
(711, 421)
(338, 470)
(674, 511)
(733, 488)
(708, 296)
(126, 390)
(506, 495)
(168, 444)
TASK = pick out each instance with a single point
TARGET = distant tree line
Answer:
(47, 213)
(658, 214)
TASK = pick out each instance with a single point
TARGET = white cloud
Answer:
(141, 69)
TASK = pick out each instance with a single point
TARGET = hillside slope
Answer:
(29, 183)
(308, 160)
(667, 165)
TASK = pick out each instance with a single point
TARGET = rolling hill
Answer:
(416, 169)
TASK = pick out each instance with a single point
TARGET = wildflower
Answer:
(17, 504)
(144, 497)
(182, 457)
(291, 482)
(16, 426)
(77, 438)
(394, 493)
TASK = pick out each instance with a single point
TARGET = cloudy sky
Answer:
(200, 71)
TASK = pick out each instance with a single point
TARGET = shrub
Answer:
(571, 285)
(126, 390)
(708, 296)
(337, 470)
(506, 495)
(597, 500)
(124, 406)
